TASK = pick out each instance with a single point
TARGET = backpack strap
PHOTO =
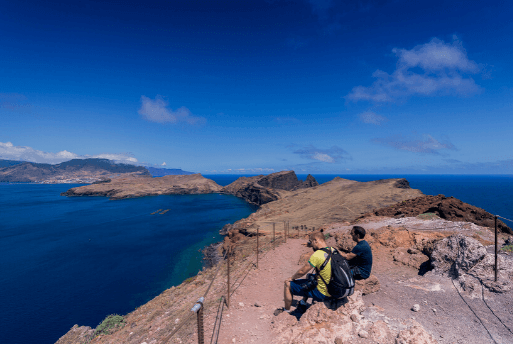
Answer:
(318, 271)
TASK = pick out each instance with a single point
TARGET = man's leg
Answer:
(287, 296)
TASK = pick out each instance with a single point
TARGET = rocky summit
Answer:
(262, 189)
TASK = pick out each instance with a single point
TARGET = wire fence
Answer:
(200, 322)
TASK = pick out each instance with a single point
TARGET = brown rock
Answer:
(380, 333)
(368, 286)
(409, 257)
(339, 340)
(77, 334)
(415, 335)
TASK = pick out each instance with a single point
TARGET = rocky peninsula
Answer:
(131, 187)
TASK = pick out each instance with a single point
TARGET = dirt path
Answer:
(244, 322)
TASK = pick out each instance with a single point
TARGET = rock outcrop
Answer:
(264, 189)
(347, 322)
(448, 208)
(119, 188)
(77, 334)
(466, 260)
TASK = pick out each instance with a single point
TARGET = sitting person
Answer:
(299, 287)
(360, 258)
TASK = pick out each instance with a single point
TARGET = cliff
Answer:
(262, 189)
(131, 187)
(73, 171)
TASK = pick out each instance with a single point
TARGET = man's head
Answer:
(317, 240)
(357, 233)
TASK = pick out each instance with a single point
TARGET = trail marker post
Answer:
(274, 235)
(495, 248)
(228, 270)
(257, 249)
(284, 231)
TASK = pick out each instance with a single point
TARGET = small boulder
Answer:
(368, 286)
(456, 255)
(415, 335)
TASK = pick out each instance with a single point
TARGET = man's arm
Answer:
(348, 256)
(301, 272)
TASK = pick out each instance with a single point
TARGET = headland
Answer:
(432, 272)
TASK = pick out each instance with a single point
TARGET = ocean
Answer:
(66, 261)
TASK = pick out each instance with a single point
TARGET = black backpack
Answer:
(342, 283)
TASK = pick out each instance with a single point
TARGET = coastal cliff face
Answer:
(132, 187)
(73, 171)
(264, 189)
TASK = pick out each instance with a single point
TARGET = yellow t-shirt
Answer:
(316, 260)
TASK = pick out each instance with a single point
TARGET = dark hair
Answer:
(359, 231)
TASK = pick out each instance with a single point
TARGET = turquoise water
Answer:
(67, 261)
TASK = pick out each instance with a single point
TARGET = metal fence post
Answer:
(284, 231)
(274, 235)
(228, 269)
(495, 248)
(201, 338)
(297, 227)
(258, 249)
(198, 309)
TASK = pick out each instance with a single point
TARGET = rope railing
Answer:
(504, 218)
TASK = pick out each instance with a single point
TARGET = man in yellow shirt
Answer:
(302, 287)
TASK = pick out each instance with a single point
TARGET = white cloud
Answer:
(371, 117)
(432, 68)
(322, 157)
(157, 111)
(164, 164)
(9, 151)
(330, 155)
(427, 144)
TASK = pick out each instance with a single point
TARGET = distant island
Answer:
(257, 190)
(161, 172)
(81, 171)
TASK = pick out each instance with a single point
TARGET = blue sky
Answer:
(260, 86)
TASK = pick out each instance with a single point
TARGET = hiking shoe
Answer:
(301, 308)
(278, 311)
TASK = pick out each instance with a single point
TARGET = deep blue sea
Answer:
(66, 261)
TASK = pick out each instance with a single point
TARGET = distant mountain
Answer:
(73, 171)
(161, 172)
(7, 163)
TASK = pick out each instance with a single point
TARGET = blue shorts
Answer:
(296, 288)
